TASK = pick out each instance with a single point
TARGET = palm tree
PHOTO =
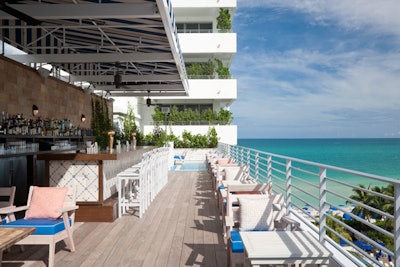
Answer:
(383, 203)
(388, 206)
(365, 198)
(338, 228)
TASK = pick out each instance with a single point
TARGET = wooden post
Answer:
(134, 141)
(111, 139)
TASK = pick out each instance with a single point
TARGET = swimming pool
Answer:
(190, 166)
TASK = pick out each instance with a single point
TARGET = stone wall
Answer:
(22, 86)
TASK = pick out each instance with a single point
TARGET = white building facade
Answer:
(200, 41)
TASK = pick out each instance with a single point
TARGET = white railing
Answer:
(168, 17)
(360, 211)
(204, 31)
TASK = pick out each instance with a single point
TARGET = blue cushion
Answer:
(235, 236)
(237, 247)
(43, 226)
(236, 242)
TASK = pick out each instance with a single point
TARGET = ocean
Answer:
(375, 156)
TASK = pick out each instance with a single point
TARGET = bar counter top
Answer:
(103, 155)
(78, 156)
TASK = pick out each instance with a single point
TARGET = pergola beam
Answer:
(144, 94)
(136, 57)
(85, 11)
(142, 87)
(127, 78)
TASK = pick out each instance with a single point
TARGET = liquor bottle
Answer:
(2, 123)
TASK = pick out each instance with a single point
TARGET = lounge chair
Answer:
(253, 213)
(7, 195)
(51, 210)
(236, 191)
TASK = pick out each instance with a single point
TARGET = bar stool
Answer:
(131, 190)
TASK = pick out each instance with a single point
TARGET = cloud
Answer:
(331, 91)
(318, 70)
(377, 16)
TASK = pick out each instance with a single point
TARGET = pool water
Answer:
(191, 166)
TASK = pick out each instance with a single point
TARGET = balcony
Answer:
(224, 89)
(358, 224)
(200, 47)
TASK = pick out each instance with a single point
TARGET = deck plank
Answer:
(180, 228)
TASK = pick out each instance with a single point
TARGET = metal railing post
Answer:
(269, 168)
(256, 161)
(288, 184)
(396, 224)
(322, 204)
(248, 158)
(241, 155)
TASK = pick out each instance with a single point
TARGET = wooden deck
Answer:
(181, 228)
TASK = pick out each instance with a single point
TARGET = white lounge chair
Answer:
(253, 213)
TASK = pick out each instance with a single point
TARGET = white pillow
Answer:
(256, 214)
(233, 173)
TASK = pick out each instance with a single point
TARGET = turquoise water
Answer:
(191, 166)
(375, 156)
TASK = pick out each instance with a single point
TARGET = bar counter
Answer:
(93, 176)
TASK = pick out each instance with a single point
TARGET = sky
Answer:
(317, 69)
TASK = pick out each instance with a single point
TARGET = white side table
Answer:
(283, 247)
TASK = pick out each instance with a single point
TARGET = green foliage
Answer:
(377, 202)
(159, 138)
(224, 20)
(208, 115)
(373, 201)
(194, 141)
(190, 115)
(208, 69)
(129, 126)
(175, 114)
(158, 116)
(200, 69)
(338, 228)
(213, 138)
(223, 72)
(101, 122)
(223, 117)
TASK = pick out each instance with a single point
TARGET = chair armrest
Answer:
(228, 226)
(7, 210)
(229, 221)
(12, 209)
(69, 208)
(285, 221)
